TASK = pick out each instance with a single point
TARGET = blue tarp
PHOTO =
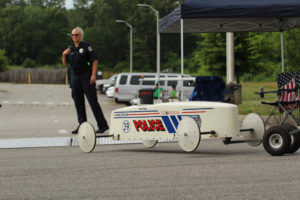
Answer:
(208, 88)
(233, 16)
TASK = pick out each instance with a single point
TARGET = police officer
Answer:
(83, 62)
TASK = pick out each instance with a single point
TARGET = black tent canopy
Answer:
(233, 16)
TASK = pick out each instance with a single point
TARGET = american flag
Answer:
(287, 87)
(298, 86)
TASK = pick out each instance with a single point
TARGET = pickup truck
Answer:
(104, 84)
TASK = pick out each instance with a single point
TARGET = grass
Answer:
(251, 102)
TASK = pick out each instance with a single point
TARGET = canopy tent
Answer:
(233, 16)
(202, 16)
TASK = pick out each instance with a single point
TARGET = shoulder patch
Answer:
(90, 48)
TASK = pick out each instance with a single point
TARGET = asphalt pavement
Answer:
(42, 110)
(127, 171)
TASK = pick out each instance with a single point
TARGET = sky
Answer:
(69, 4)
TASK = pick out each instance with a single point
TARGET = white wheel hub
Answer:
(188, 134)
(275, 141)
(255, 122)
(86, 137)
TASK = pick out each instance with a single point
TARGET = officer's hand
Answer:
(92, 80)
(67, 51)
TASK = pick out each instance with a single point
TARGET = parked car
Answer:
(110, 92)
(104, 84)
(128, 84)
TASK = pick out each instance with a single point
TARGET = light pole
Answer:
(130, 26)
(158, 39)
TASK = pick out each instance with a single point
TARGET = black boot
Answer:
(75, 131)
(102, 129)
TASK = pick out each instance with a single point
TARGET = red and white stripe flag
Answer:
(289, 85)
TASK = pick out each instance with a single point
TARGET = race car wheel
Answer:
(255, 122)
(295, 139)
(150, 143)
(101, 89)
(276, 141)
(188, 134)
(86, 137)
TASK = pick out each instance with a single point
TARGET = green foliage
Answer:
(33, 32)
(292, 47)
(28, 63)
(210, 53)
(122, 66)
(3, 61)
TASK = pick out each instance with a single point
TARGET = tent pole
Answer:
(282, 53)
(158, 51)
(229, 57)
(182, 58)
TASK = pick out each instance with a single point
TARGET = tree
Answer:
(4, 3)
(265, 53)
(47, 3)
(12, 30)
(292, 48)
(211, 53)
(3, 61)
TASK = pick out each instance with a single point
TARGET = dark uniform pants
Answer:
(81, 86)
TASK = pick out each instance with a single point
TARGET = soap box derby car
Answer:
(188, 123)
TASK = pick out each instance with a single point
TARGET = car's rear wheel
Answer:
(295, 139)
(276, 141)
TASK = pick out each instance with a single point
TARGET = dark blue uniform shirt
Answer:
(81, 58)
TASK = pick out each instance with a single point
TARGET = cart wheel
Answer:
(254, 121)
(295, 139)
(276, 141)
(86, 137)
(150, 143)
(188, 134)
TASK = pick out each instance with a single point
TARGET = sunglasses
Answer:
(75, 35)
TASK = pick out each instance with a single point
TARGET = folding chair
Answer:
(287, 99)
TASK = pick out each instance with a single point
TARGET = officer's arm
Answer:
(64, 56)
(94, 72)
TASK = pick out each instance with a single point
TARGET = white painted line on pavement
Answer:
(65, 104)
(63, 131)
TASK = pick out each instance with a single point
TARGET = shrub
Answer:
(28, 63)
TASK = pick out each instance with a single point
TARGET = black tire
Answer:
(117, 101)
(276, 141)
(295, 139)
(101, 89)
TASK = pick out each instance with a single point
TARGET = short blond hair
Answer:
(80, 31)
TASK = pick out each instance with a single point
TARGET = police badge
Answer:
(81, 50)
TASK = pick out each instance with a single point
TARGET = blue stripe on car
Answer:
(174, 120)
(168, 124)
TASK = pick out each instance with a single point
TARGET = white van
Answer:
(128, 84)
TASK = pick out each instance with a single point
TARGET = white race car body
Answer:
(160, 121)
